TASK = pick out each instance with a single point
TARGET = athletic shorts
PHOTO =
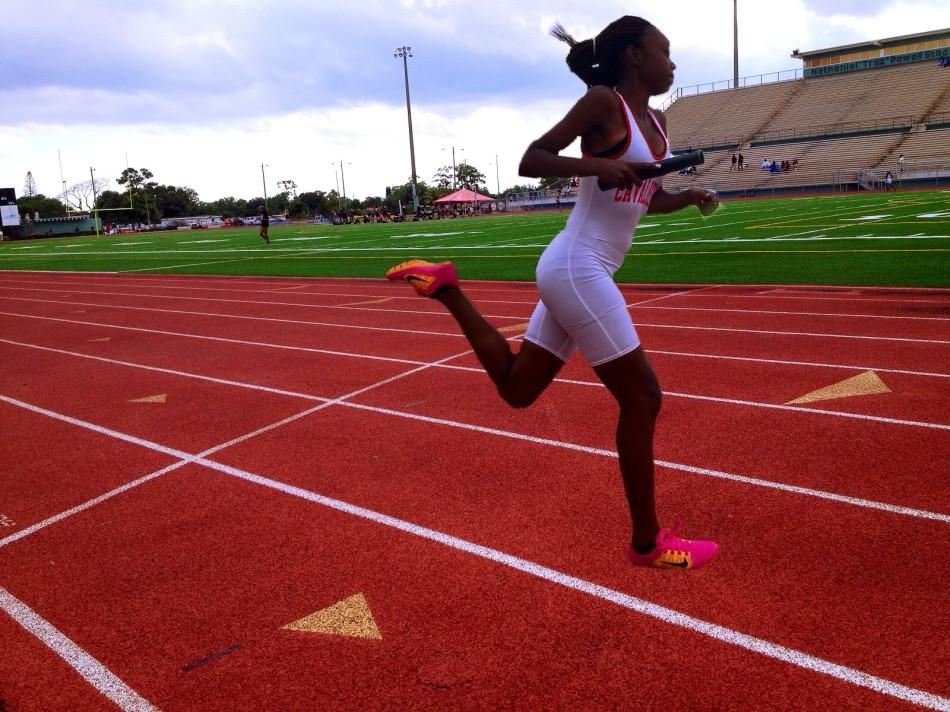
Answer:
(580, 308)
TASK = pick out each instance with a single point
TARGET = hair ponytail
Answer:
(597, 61)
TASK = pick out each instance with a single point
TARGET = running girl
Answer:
(581, 306)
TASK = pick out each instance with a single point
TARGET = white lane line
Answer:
(241, 316)
(770, 484)
(779, 291)
(507, 316)
(90, 669)
(474, 283)
(324, 403)
(754, 644)
(216, 338)
(349, 354)
(879, 369)
(691, 291)
(798, 313)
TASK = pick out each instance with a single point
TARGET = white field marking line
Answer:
(395, 251)
(490, 316)
(769, 484)
(662, 613)
(90, 669)
(471, 369)
(241, 316)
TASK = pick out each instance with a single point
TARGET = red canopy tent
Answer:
(464, 195)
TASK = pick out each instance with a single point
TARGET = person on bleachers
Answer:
(766, 164)
(735, 162)
(741, 162)
(900, 163)
(775, 167)
(794, 164)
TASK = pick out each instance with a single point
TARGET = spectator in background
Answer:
(265, 224)
(741, 162)
(735, 163)
(766, 164)
(774, 167)
(900, 163)
(889, 182)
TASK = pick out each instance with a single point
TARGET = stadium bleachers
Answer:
(835, 126)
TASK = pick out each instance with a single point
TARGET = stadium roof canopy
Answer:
(932, 35)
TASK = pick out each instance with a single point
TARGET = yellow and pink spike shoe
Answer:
(427, 278)
(671, 552)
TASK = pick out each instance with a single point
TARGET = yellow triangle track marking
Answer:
(160, 398)
(350, 617)
(864, 384)
(105, 338)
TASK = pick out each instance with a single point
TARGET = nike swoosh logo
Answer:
(413, 278)
(681, 565)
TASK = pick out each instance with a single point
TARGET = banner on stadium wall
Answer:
(9, 215)
(889, 61)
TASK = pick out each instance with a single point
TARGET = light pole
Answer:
(264, 182)
(497, 179)
(342, 177)
(336, 176)
(735, 44)
(404, 53)
(454, 171)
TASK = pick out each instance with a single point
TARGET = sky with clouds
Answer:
(202, 92)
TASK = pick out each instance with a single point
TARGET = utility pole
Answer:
(735, 44)
(264, 182)
(497, 179)
(92, 181)
(405, 53)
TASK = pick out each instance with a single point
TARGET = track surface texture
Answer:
(247, 493)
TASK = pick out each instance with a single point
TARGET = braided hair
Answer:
(598, 60)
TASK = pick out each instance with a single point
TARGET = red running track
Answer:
(178, 586)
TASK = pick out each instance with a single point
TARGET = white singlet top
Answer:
(581, 306)
(606, 219)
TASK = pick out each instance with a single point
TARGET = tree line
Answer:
(143, 200)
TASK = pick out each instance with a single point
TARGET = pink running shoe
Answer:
(671, 552)
(426, 277)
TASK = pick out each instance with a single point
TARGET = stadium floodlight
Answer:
(404, 53)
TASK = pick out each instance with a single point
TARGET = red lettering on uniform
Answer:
(623, 195)
(646, 191)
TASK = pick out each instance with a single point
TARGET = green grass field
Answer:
(888, 239)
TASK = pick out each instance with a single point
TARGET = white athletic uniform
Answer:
(581, 306)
